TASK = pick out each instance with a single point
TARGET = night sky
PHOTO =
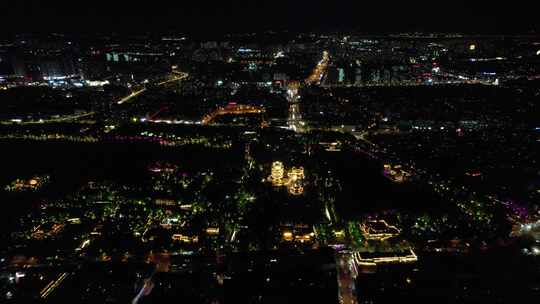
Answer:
(204, 16)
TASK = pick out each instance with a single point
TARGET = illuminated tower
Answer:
(277, 174)
(296, 180)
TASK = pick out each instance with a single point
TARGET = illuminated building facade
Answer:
(379, 230)
(395, 173)
(298, 233)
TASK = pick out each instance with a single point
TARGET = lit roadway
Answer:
(47, 290)
(130, 96)
(52, 120)
(178, 76)
(319, 71)
(346, 277)
(294, 121)
(232, 109)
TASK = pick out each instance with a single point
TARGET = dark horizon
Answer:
(205, 17)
